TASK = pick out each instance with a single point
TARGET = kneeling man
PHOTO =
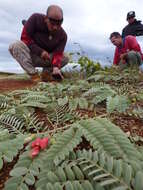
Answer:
(42, 44)
(128, 51)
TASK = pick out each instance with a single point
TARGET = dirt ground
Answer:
(14, 84)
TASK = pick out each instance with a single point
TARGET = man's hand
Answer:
(57, 73)
(123, 57)
(45, 55)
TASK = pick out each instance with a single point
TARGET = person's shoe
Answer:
(46, 76)
(35, 77)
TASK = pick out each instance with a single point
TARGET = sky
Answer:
(88, 24)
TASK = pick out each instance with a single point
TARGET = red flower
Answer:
(35, 151)
(37, 145)
(44, 143)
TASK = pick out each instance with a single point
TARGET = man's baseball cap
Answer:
(131, 14)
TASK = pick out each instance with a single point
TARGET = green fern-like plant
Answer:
(108, 172)
(5, 102)
(9, 148)
(12, 123)
(24, 172)
(104, 135)
(32, 123)
(118, 103)
(81, 103)
(67, 177)
(36, 97)
(34, 104)
(135, 112)
(59, 112)
(4, 135)
(62, 147)
(99, 93)
(96, 78)
(20, 123)
(90, 170)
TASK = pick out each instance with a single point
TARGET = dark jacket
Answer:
(37, 37)
(134, 29)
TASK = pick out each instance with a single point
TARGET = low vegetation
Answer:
(93, 126)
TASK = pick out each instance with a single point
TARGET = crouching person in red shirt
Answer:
(128, 51)
(42, 45)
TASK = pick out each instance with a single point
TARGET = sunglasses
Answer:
(129, 18)
(55, 22)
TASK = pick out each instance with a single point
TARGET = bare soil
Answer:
(14, 84)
